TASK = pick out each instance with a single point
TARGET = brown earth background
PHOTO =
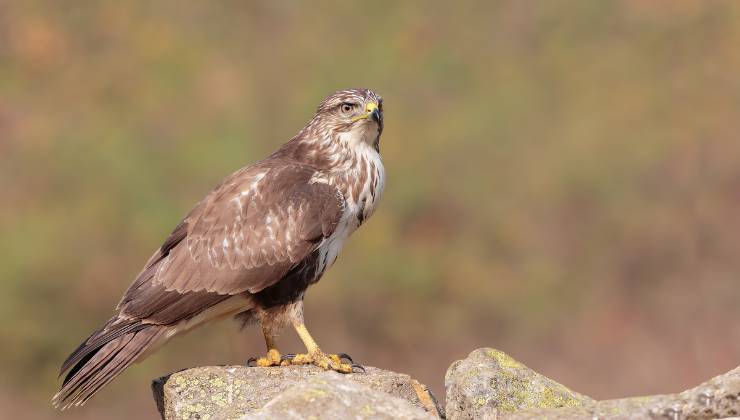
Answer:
(564, 180)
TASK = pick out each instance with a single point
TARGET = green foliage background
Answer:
(564, 180)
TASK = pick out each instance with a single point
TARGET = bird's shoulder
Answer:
(247, 232)
(260, 194)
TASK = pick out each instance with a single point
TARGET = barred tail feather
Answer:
(101, 358)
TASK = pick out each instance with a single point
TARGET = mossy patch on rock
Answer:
(717, 398)
(490, 382)
(230, 392)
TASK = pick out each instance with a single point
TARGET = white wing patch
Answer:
(250, 240)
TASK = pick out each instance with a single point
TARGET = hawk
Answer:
(250, 248)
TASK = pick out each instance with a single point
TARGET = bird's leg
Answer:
(316, 357)
(273, 357)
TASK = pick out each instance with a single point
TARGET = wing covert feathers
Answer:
(248, 233)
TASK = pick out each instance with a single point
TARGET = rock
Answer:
(330, 395)
(230, 392)
(717, 398)
(490, 383)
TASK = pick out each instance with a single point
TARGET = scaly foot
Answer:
(335, 362)
(272, 358)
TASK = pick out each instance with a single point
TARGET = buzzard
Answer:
(250, 248)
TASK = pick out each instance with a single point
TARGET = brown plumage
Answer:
(250, 248)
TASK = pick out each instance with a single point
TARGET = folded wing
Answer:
(243, 237)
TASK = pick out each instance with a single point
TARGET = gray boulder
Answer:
(489, 383)
(715, 399)
(333, 396)
(230, 392)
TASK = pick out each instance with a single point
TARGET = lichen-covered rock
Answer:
(489, 382)
(230, 392)
(334, 396)
(717, 398)
(491, 385)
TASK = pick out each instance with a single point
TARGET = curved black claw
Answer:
(289, 356)
(345, 356)
(250, 362)
(357, 368)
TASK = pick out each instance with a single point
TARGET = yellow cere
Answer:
(369, 108)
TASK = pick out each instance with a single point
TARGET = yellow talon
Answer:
(272, 358)
(314, 355)
(324, 361)
(335, 358)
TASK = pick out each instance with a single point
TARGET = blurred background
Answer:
(564, 181)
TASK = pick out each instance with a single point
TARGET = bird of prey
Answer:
(250, 248)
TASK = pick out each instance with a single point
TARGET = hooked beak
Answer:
(375, 115)
(373, 112)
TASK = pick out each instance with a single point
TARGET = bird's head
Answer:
(354, 116)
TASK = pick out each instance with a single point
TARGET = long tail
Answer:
(100, 358)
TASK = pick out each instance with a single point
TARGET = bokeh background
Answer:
(564, 180)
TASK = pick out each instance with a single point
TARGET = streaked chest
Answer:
(362, 186)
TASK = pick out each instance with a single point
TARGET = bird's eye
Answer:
(346, 108)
